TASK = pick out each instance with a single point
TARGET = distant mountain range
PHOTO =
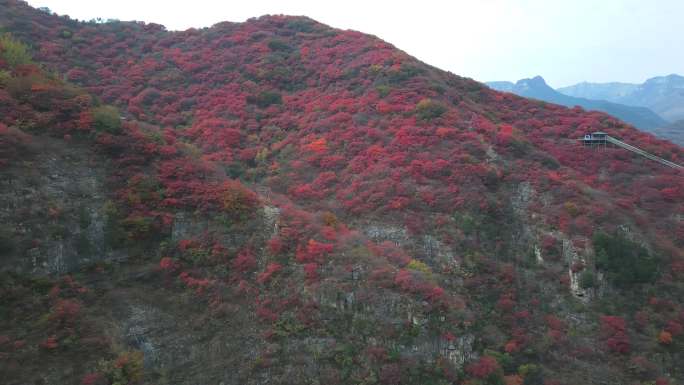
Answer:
(673, 132)
(656, 106)
(537, 88)
(663, 94)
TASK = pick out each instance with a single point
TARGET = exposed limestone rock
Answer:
(52, 208)
(538, 255)
(459, 351)
(436, 251)
(571, 256)
(379, 233)
(427, 246)
(271, 215)
(186, 226)
(522, 198)
(492, 156)
(137, 330)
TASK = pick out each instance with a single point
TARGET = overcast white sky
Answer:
(565, 41)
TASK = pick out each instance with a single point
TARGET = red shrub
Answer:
(168, 264)
(244, 261)
(404, 279)
(65, 312)
(187, 244)
(435, 294)
(314, 251)
(674, 327)
(311, 271)
(619, 343)
(390, 251)
(612, 324)
(264, 311)
(93, 379)
(484, 367)
(512, 346)
(665, 337)
(505, 304)
(318, 146)
(271, 269)
(50, 343)
(275, 245)
(200, 285)
(614, 331)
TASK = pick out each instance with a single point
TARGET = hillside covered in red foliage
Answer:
(352, 214)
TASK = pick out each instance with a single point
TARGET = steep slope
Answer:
(409, 226)
(662, 94)
(89, 195)
(538, 89)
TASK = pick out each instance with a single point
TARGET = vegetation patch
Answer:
(624, 262)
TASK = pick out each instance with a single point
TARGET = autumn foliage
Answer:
(614, 330)
(335, 178)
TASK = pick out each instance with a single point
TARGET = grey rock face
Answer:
(394, 234)
(52, 206)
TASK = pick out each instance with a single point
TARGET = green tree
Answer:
(625, 262)
(278, 45)
(428, 109)
(265, 99)
(107, 119)
(532, 374)
(587, 279)
(13, 51)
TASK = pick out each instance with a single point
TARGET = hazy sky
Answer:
(566, 41)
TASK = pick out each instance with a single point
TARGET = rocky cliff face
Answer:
(54, 203)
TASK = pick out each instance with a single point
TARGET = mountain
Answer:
(278, 201)
(673, 132)
(502, 86)
(537, 88)
(600, 91)
(662, 94)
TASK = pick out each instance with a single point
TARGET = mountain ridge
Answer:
(662, 94)
(537, 88)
